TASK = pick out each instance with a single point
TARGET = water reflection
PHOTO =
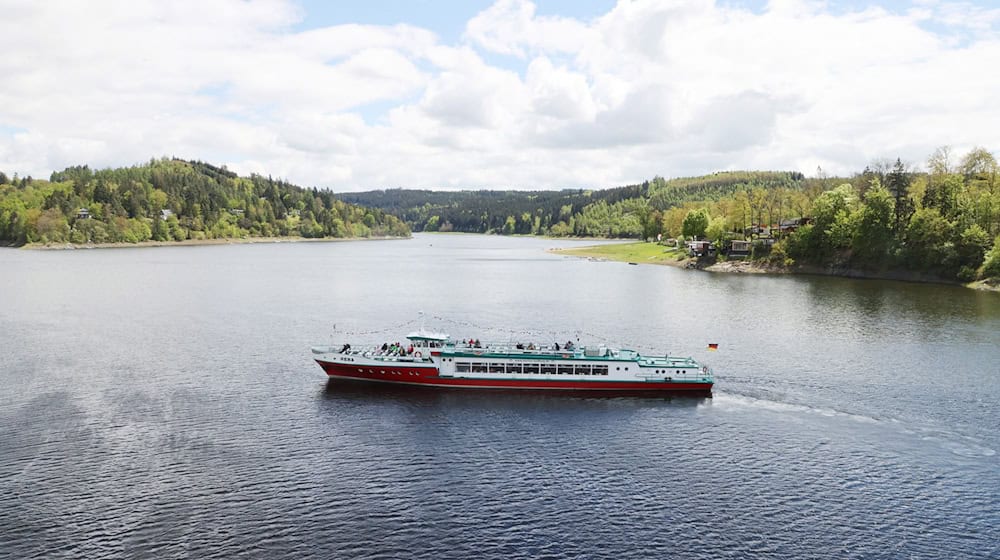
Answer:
(339, 390)
(928, 301)
(892, 310)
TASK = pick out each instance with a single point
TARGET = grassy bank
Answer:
(638, 252)
(652, 253)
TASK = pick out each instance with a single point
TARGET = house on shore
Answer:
(739, 248)
(700, 248)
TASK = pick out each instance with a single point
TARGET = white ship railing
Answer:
(512, 348)
(375, 352)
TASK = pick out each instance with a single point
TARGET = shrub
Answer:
(991, 266)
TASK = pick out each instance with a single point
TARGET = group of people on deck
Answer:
(569, 346)
(531, 346)
(395, 349)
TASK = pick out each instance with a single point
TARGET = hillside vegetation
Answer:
(175, 200)
(615, 212)
(941, 224)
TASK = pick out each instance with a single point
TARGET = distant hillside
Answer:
(485, 211)
(613, 212)
(171, 199)
(666, 194)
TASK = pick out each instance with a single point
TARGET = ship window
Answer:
(462, 367)
(549, 369)
(582, 370)
(513, 368)
(478, 367)
(600, 370)
(530, 368)
(566, 369)
(496, 367)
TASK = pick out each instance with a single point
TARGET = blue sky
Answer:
(495, 93)
(447, 18)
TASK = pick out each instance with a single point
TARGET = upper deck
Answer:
(558, 352)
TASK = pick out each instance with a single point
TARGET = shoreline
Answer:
(194, 243)
(750, 267)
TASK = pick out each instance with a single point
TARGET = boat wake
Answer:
(737, 399)
(953, 442)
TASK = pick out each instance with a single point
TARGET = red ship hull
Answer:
(426, 375)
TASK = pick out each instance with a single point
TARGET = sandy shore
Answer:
(189, 242)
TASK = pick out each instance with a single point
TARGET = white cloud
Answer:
(511, 27)
(651, 87)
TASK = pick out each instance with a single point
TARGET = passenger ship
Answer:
(434, 360)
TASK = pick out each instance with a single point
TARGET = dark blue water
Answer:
(161, 403)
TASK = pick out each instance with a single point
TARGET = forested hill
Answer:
(485, 211)
(613, 212)
(172, 199)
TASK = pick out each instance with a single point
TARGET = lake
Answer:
(162, 402)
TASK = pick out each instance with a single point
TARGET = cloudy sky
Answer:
(456, 94)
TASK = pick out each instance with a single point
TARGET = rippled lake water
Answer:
(162, 403)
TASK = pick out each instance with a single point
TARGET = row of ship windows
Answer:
(544, 369)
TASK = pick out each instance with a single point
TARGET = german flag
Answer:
(712, 347)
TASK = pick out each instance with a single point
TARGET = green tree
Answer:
(972, 246)
(716, 231)
(52, 227)
(874, 235)
(509, 225)
(433, 223)
(928, 243)
(898, 182)
(980, 170)
(695, 223)
(159, 230)
(833, 224)
(943, 193)
(991, 264)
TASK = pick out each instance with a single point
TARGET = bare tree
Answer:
(939, 163)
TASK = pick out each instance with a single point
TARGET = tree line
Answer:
(944, 222)
(487, 211)
(172, 199)
(614, 212)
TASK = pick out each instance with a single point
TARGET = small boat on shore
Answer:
(432, 359)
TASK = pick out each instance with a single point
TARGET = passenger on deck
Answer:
(385, 347)
(346, 348)
(520, 346)
(477, 345)
(557, 347)
(569, 344)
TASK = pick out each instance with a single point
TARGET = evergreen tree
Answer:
(898, 183)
